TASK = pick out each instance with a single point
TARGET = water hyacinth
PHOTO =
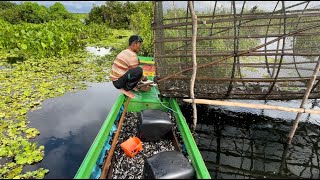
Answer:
(37, 62)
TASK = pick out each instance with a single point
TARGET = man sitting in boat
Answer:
(126, 72)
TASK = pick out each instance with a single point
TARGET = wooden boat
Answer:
(92, 164)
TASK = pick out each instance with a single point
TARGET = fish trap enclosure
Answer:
(244, 50)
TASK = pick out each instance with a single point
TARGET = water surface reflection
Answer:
(68, 125)
(244, 145)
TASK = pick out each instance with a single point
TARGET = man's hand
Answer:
(155, 79)
(144, 78)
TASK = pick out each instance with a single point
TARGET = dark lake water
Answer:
(68, 125)
(242, 144)
(234, 142)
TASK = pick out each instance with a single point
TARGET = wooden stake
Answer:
(250, 105)
(107, 163)
(296, 121)
(194, 60)
(306, 96)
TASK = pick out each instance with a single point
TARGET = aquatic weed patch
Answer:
(24, 86)
(41, 61)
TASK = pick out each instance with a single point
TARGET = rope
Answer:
(161, 101)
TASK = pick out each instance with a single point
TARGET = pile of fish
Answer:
(132, 168)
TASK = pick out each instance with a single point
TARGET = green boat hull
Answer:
(143, 101)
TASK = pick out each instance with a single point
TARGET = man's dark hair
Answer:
(135, 38)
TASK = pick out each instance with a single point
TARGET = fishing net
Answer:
(244, 49)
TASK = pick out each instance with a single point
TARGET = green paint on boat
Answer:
(146, 60)
(191, 146)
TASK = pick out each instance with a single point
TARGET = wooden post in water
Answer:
(305, 98)
(194, 60)
(107, 163)
(296, 121)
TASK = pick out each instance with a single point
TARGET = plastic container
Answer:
(168, 165)
(131, 146)
(154, 125)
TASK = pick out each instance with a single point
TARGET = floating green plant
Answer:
(39, 62)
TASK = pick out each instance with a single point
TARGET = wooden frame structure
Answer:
(243, 51)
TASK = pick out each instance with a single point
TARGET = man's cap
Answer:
(134, 38)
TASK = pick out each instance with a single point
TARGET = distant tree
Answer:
(96, 15)
(128, 10)
(136, 16)
(140, 23)
(58, 11)
(34, 13)
(12, 15)
(115, 14)
(6, 5)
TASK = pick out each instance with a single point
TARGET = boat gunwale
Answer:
(190, 144)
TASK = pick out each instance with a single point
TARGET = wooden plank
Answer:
(251, 105)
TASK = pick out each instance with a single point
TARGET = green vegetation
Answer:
(6, 5)
(33, 77)
(140, 23)
(126, 15)
(115, 14)
(55, 38)
(80, 16)
(42, 55)
(33, 12)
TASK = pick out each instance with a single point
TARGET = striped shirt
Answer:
(124, 61)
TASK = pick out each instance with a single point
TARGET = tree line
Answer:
(32, 12)
(135, 16)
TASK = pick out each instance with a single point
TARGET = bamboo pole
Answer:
(194, 60)
(306, 96)
(267, 80)
(107, 163)
(251, 105)
(249, 17)
(296, 121)
(231, 54)
(208, 38)
(257, 13)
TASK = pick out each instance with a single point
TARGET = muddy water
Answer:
(241, 144)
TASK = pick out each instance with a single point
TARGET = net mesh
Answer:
(264, 49)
